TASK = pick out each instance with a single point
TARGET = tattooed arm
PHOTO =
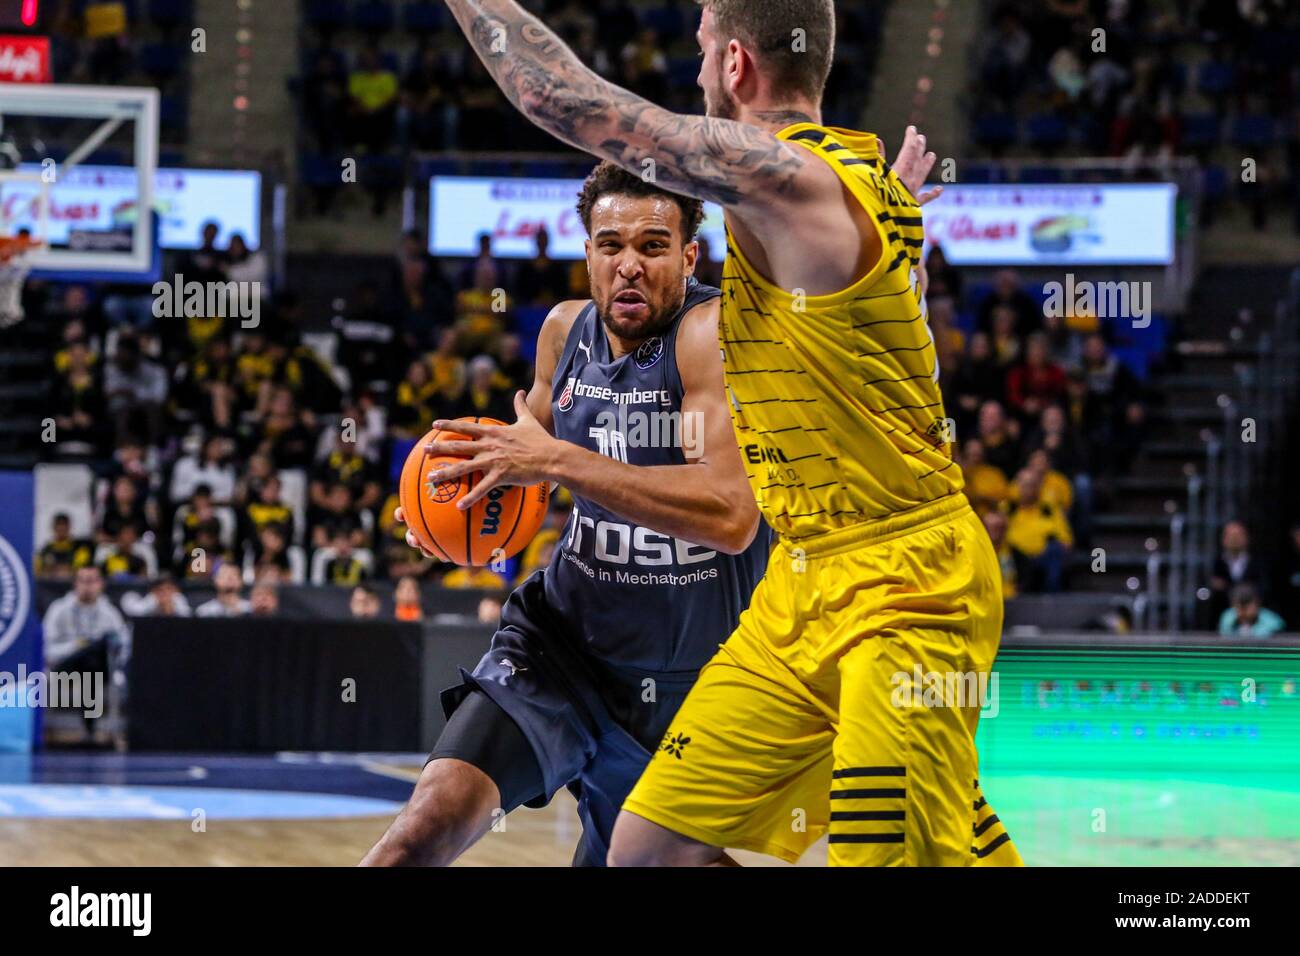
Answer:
(726, 162)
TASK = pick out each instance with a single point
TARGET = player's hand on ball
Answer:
(520, 454)
(913, 165)
(411, 540)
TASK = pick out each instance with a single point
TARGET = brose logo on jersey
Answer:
(617, 543)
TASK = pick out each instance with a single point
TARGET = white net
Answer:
(13, 273)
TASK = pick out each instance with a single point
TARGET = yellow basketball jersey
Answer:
(835, 398)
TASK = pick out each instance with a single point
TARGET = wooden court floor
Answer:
(544, 837)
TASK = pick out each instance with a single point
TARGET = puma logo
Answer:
(585, 348)
(514, 668)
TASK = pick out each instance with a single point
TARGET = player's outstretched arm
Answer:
(719, 160)
(707, 501)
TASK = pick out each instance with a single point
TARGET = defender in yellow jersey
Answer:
(811, 719)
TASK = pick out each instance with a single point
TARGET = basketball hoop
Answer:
(14, 267)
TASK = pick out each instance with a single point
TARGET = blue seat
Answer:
(318, 169)
(1135, 360)
(173, 111)
(160, 59)
(1215, 79)
(665, 21)
(1041, 174)
(1047, 131)
(1256, 130)
(422, 17)
(995, 129)
(171, 13)
(327, 14)
(374, 16)
(1214, 183)
(1200, 130)
(684, 71)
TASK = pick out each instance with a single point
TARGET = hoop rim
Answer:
(11, 246)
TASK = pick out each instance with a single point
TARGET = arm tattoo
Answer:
(713, 159)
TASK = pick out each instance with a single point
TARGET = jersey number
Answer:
(610, 443)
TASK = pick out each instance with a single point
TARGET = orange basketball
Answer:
(496, 528)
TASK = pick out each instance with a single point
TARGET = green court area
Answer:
(1141, 756)
(1171, 819)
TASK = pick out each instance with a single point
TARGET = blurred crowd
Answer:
(392, 86)
(1148, 80)
(246, 458)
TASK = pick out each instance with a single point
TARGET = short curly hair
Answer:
(608, 179)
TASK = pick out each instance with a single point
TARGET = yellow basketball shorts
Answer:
(846, 703)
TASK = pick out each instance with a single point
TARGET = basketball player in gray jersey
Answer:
(596, 652)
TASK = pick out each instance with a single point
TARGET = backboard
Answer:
(88, 220)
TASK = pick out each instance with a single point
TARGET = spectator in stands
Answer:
(205, 386)
(207, 263)
(268, 510)
(124, 560)
(460, 578)
(259, 469)
(448, 368)
(413, 399)
(126, 505)
(334, 515)
(1039, 533)
(513, 370)
(1004, 340)
(480, 312)
(396, 556)
(986, 485)
(541, 281)
(977, 380)
(345, 568)
(1234, 565)
(205, 554)
(483, 270)
(163, 600)
(477, 112)
(78, 404)
(135, 388)
(995, 522)
(1055, 435)
(1113, 413)
(246, 265)
(407, 600)
(1291, 578)
(944, 279)
(1000, 437)
(425, 96)
(364, 603)
(1247, 617)
(372, 106)
(209, 467)
(264, 600)
(61, 556)
(949, 342)
(483, 397)
(644, 66)
(425, 293)
(1056, 488)
(325, 100)
(82, 629)
(1035, 383)
(489, 608)
(1008, 292)
(347, 466)
(270, 549)
(286, 435)
(1004, 69)
(228, 602)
